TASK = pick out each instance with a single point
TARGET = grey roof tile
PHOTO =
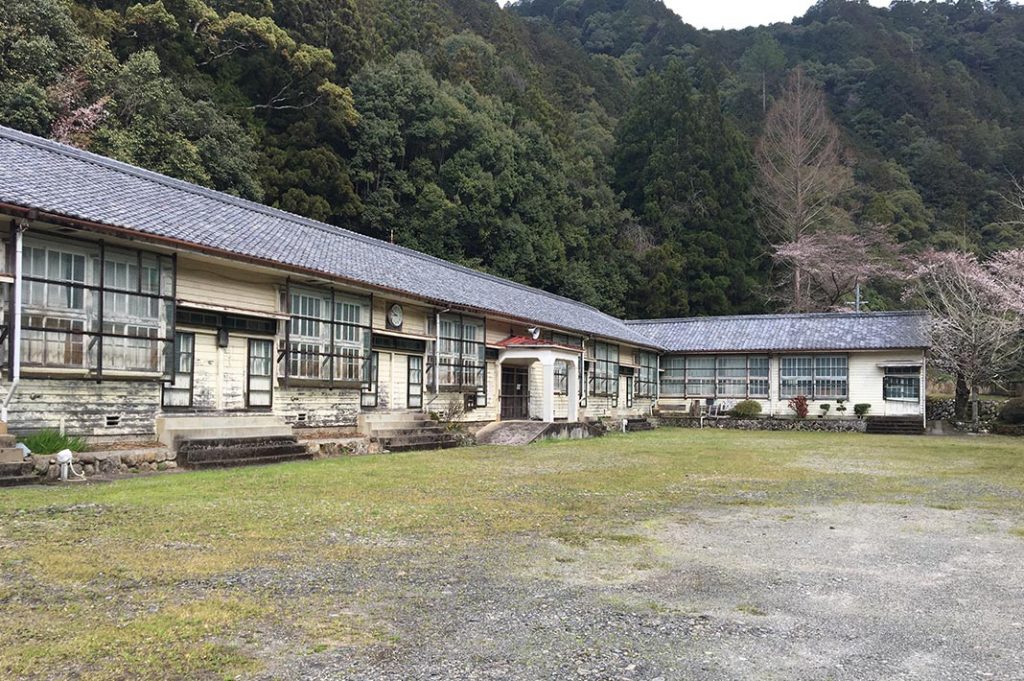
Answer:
(54, 178)
(769, 333)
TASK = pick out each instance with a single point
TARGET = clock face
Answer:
(395, 315)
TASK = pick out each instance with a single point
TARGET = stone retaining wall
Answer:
(110, 462)
(943, 409)
(819, 425)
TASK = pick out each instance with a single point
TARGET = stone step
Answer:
(7, 441)
(440, 444)
(231, 463)
(19, 480)
(418, 440)
(254, 454)
(894, 425)
(385, 433)
(196, 444)
(15, 469)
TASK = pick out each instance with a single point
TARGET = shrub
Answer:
(841, 407)
(1007, 429)
(799, 406)
(861, 409)
(824, 409)
(51, 442)
(1012, 411)
(747, 409)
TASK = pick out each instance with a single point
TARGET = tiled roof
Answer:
(58, 179)
(767, 333)
(526, 342)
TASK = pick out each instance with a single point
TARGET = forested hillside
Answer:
(601, 149)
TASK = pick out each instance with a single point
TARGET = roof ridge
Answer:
(223, 197)
(779, 315)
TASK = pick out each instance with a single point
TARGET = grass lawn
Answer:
(157, 576)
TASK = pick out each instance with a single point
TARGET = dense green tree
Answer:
(596, 148)
(686, 172)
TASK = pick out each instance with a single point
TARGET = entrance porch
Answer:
(535, 376)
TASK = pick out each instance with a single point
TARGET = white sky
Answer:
(741, 13)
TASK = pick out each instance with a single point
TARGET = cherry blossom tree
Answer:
(834, 264)
(977, 311)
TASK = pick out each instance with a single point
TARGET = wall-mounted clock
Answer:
(395, 316)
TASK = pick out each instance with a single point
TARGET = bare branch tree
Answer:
(800, 168)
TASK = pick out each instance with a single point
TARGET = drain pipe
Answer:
(14, 334)
(437, 349)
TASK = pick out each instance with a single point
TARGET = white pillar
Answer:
(573, 413)
(547, 411)
(497, 389)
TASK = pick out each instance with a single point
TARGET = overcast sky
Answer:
(741, 13)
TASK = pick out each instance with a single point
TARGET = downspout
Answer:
(657, 382)
(15, 328)
(437, 348)
(923, 388)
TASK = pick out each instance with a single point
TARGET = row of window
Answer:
(732, 376)
(87, 306)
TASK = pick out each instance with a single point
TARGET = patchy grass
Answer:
(161, 574)
(749, 609)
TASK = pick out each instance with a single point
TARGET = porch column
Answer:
(547, 410)
(497, 389)
(573, 412)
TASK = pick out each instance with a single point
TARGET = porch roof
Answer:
(527, 342)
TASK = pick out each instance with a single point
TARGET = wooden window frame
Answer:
(249, 375)
(813, 393)
(339, 348)
(459, 370)
(191, 373)
(676, 372)
(604, 370)
(92, 328)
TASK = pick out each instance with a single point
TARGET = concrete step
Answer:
(11, 454)
(174, 429)
(19, 480)
(442, 444)
(894, 425)
(382, 434)
(418, 439)
(248, 461)
(198, 444)
(254, 454)
(15, 469)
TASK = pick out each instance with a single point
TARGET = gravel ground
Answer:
(849, 591)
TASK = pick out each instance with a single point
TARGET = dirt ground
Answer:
(848, 591)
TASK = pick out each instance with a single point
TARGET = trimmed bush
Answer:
(861, 409)
(1007, 429)
(1013, 411)
(51, 442)
(747, 409)
(799, 406)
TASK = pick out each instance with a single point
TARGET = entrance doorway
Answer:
(515, 392)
